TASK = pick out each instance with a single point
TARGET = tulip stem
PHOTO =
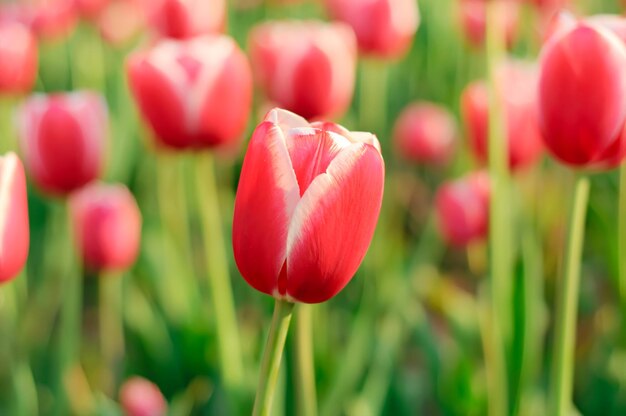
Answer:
(219, 276)
(567, 305)
(270, 365)
(111, 326)
(307, 395)
(373, 96)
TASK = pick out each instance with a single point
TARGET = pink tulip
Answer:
(305, 67)
(195, 93)
(121, 21)
(474, 20)
(18, 57)
(384, 28)
(140, 397)
(183, 19)
(462, 208)
(307, 204)
(46, 18)
(63, 139)
(425, 133)
(517, 94)
(14, 230)
(107, 223)
(582, 93)
(90, 9)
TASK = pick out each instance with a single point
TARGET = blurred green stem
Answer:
(270, 365)
(217, 267)
(307, 395)
(111, 326)
(621, 235)
(562, 379)
(373, 95)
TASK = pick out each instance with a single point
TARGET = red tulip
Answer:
(306, 208)
(90, 9)
(63, 139)
(14, 230)
(195, 93)
(474, 20)
(383, 28)
(462, 208)
(517, 94)
(582, 93)
(188, 18)
(140, 397)
(425, 133)
(18, 57)
(107, 223)
(305, 67)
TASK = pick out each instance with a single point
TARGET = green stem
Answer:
(111, 326)
(218, 273)
(307, 395)
(567, 306)
(272, 355)
(373, 95)
(621, 235)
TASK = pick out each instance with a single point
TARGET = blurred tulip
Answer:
(140, 397)
(121, 21)
(18, 57)
(305, 67)
(474, 20)
(14, 229)
(46, 18)
(63, 139)
(195, 93)
(308, 201)
(90, 9)
(462, 208)
(383, 28)
(582, 93)
(425, 133)
(183, 19)
(107, 223)
(517, 94)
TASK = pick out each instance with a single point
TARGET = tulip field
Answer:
(312, 207)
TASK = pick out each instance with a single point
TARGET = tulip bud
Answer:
(305, 67)
(383, 28)
(462, 208)
(425, 133)
(308, 201)
(582, 93)
(18, 57)
(121, 21)
(183, 19)
(62, 138)
(516, 83)
(14, 230)
(195, 93)
(474, 20)
(107, 223)
(140, 397)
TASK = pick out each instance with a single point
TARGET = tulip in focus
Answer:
(462, 209)
(183, 19)
(308, 201)
(140, 397)
(582, 94)
(195, 93)
(18, 58)
(107, 223)
(425, 133)
(474, 20)
(62, 138)
(14, 229)
(305, 67)
(516, 82)
(384, 28)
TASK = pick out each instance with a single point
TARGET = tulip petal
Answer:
(333, 224)
(266, 199)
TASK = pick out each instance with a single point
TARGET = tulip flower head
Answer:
(473, 15)
(516, 82)
(140, 397)
(107, 223)
(425, 133)
(183, 19)
(18, 57)
(384, 28)
(63, 139)
(462, 208)
(305, 67)
(195, 93)
(90, 9)
(121, 20)
(49, 19)
(582, 94)
(14, 229)
(308, 201)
